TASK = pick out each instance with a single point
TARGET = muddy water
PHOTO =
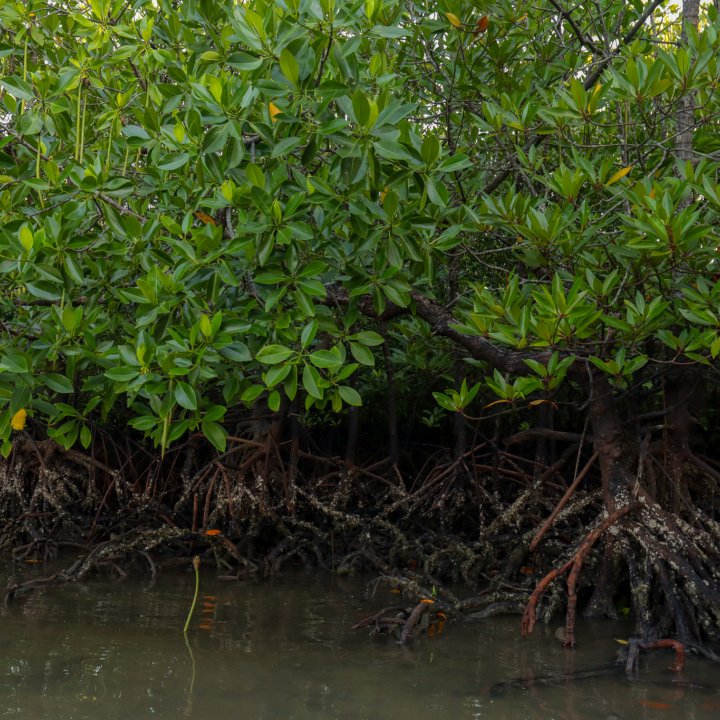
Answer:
(284, 649)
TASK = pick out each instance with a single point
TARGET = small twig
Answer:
(325, 55)
(140, 78)
(121, 208)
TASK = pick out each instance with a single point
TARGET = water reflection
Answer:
(284, 649)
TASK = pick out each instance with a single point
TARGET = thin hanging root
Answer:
(563, 502)
(576, 562)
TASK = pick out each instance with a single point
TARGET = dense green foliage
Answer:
(206, 201)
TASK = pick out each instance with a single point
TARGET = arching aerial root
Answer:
(672, 573)
(574, 565)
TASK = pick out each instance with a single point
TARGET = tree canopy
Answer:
(204, 202)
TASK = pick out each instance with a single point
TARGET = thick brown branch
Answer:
(442, 323)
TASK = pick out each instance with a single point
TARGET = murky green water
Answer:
(284, 649)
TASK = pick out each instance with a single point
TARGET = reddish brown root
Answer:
(635, 645)
(575, 566)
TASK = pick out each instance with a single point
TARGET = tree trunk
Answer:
(679, 421)
(394, 449)
(610, 444)
(686, 105)
(613, 453)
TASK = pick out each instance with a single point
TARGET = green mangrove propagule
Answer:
(196, 565)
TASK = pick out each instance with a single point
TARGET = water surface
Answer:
(284, 649)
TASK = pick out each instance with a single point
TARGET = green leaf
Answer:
(135, 131)
(44, 290)
(392, 150)
(17, 87)
(205, 327)
(185, 396)
(252, 393)
(58, 383)
(325, 359)
(273, 354)
(285, 146)
(430, 149)
(445, 401)
(255, 175)
(308, 333)
(273, 401)
(311, 382)
(350, 395)
(73, 269)
(276, 374)
(143, 423)
(15, 362)
(122, 374)
(362, 354)
(237, 352)
(30, 123)
(85, 436)
(25, 235)
(173, 161)
(369, 337)
(437, 192)
(216, 434)
(456, 162)
(289, 67)
(361, 107)
(389, 31)
(244, 61)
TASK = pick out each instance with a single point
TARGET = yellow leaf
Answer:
(498, 402)
(621, 642)
(274, 110)
(619, 175)
(204, 218)
(598, 88)
(18, 419)
(454, 20)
